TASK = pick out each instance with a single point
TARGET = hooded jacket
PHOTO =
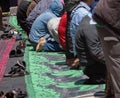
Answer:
(109, 11)
(39, 28)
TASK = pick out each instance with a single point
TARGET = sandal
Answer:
(17, 70)
(4, 36)
(21, 94)
(19, 53)
(22, 64)
(16, 53)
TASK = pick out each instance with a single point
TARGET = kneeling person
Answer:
(89, 50)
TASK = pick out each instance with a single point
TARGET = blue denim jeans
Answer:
(49, 46)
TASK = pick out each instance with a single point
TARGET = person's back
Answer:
(39, 28)
(77, 15)
(108, 25)
(89, 50)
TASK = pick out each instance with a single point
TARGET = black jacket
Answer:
(87, 42)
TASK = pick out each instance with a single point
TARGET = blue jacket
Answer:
(77, 15)
(39, 28)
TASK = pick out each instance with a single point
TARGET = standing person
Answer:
(107, 15)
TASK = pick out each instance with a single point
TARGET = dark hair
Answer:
(9, 95)
(1, 93)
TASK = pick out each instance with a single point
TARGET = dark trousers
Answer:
(96, 70)
(110, 41)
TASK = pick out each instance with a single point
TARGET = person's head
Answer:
(88, 2)
(56, 7)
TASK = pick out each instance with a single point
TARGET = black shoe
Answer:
(95, 81)
(2, 28)
(21, 94)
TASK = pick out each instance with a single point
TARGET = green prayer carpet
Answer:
(49, 76)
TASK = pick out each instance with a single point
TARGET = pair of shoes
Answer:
(7, 28)
(2, 28)
(21, 45)
(13, 32)
(16, 53)
(10, 94)
(21, 94)
(6, 36)
(13, 94)
(18, 69)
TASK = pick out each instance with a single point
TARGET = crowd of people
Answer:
(86, 30)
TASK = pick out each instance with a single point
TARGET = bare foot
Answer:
(40, 44)
(72, 61)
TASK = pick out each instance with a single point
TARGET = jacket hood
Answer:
(56, 7)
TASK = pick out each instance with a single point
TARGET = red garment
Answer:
(62, 30)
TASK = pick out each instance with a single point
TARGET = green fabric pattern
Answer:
(49, 76)
(40, 63)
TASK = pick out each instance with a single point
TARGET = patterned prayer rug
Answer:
(51, 78)
(6, 46)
